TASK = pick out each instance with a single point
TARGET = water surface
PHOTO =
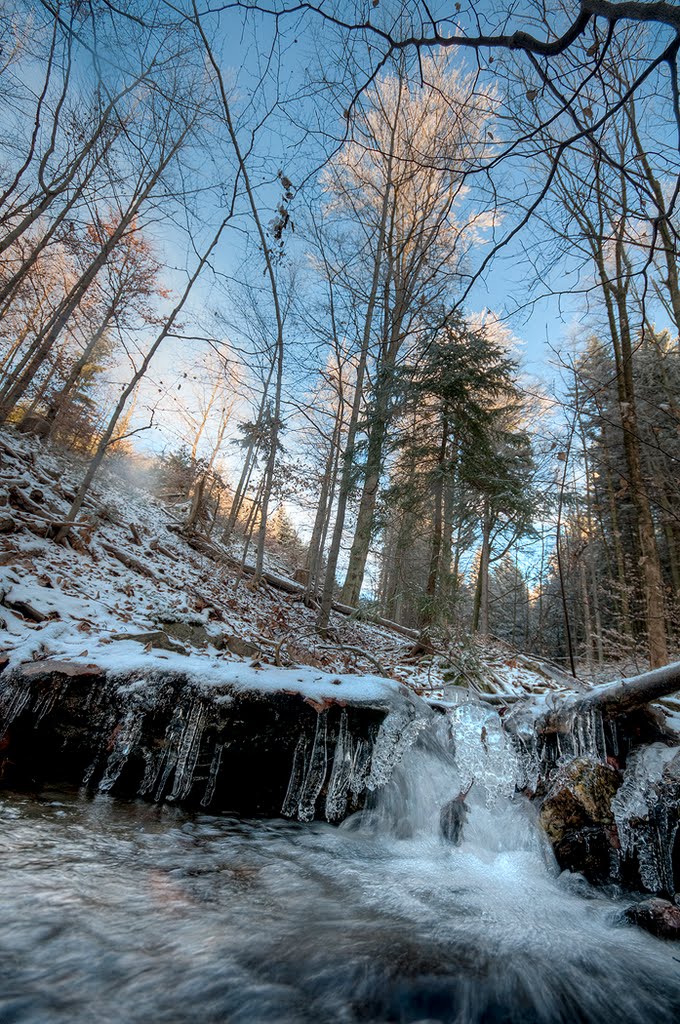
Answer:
(119, 912)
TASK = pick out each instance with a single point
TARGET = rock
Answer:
(240, 647)
(580, 796)
(154, 639)
(188, 633)
(578, 819)
(27, 611)
(590, 851)
(660, 917)
(59, 669)
(169, 737)
(452, 819)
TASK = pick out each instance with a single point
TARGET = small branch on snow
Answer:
(357, 651)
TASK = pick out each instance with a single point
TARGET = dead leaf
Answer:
(325, 703)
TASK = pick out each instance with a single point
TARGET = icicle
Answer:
(647, 822)
(398, 731)
(173, 738)
(45, 704)
(297, 773)
(212, 776)
(151, 768)
(361, 764)
(125, 737)
(483, 754)
(315, 775)
(187, 754)
(341, 773)
(13, 701)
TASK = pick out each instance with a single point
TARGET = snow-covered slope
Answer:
(131, 588)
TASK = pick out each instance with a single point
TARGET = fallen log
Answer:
(377, 620)
(552, 673)
(128, 560)
(626, 695)
(206, 547)
(19, 499)
(611, 700)
(27, 611)
(357, 652)
(8, 524)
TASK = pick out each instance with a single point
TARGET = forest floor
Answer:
(131, 583)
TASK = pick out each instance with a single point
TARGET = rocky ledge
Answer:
(248, 742)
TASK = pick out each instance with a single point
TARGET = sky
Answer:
(259, 68)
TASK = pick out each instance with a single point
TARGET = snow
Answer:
(211, 673)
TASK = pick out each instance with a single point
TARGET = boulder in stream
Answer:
(581, 795)
(578, 819)
(660, 917)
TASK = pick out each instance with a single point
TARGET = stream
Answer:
(131, 912)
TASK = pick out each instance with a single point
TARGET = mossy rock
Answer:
(580, 796)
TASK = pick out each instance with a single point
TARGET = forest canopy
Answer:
(297, 263)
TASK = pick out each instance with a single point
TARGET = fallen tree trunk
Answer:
(128, 560)
(206, 547)
(626, 695)
(377, 620)
(612, 700)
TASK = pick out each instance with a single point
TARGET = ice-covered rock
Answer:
(578, 819)
(647, 814)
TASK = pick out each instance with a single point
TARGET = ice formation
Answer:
(484, 755)
(541, 751)
(646, 813)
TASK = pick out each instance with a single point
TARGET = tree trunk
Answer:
(23, 377)
(348, 457)
(363, 532)
(619, 697)
(480, 613)
(429, 611)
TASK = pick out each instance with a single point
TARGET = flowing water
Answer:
(116, 912)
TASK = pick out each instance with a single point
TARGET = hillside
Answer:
(129, 584)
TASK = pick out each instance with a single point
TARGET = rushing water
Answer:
(118, 912)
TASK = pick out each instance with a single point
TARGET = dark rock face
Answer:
(452, 819)
(618, 826)
(659, 917)
(166, 739)
(592, 851)
(648, 816)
